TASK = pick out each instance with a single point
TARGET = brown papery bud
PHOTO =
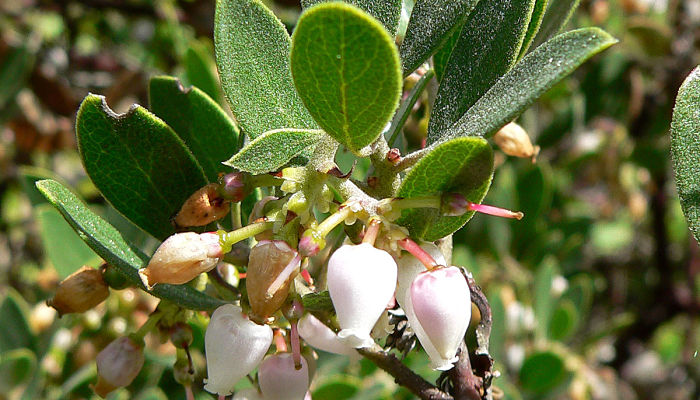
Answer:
(514, 141)
(117, 365)
(204, 206)
(271, 267)
(79, 292)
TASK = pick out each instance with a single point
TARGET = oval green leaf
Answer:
(526, 81)
(137, 162)
(463, 165)
(252, 53)
(564, 320)
(554, 19)
(542, 371)
(198, 120)
(387, 12)
(534, 25)
(14, 330)
(108, 243)
(685, 149)
(272, 150)
(200, 70)
(346, 69)
(487, 48)
(16, 368)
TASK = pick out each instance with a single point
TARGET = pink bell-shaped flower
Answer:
(247, 394)
(234, 347)
(279, 379)
(410, 267)
(361, 281)
(118, 364)
(318, 335)
(439, 311)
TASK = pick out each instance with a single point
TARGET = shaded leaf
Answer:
(273, 150)
(14, 70)
(543, 304)
(442, 56)
(200, 70)
(198, 120)
(108, 243)
(529, 79)
(14, 329)
(318, 302)
(138, 163)
(555, 18)
(28, 175)
(350, 81)
(463, 165)
(685, 149)
(386, 11)
(542, 371)
(487, 48)
(534, 25)
(16, 368)
(252, 53)
(564, 320)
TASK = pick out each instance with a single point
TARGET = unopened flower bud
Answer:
(514, 141)
(181, 257)
(234, 347)
(117, 365)
(204, 206)
(318, 335)
(280, 380)
(439, 311)
(311, 243)
(410, 267)
(79, 292)
(233, 186)
(361, 281)
(271, 267)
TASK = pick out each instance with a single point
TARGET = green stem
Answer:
(228, 239)
(265, 180)
(147, 326)
(407, 105)
(395, 205)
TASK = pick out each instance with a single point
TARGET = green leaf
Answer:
(487, 48)
(442, 56)
(386, 11)
(557, 15)
(346, 69)
(685, 149)
(137, 162)
(431, 24)
(14, 329)
(28, 175)
(272, 150)
(564, 320)
(497, 342)
(200, 70)
(64, 248)
(198, 120)
(318, 302)
(542, 371)
(529, 79)
(543, 304)
(534, 25)
(108, 243)
(463, 165)
(252, 53)
(15, 67)
(16, 368)
(338, 388)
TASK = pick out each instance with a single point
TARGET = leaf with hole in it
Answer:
(16, 368)
(556, 15)
(487, 48)
(386, 11)
(685, 149)
(526, 81)
(346, 69)
(108, 243)
(462, 165)
(252, 53)
(534, 25)
(272, 150)
(431, 24)
(138, 163)
(542, 371)
(14, 329)
(205, 128)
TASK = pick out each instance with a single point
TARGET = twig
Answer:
(483, 361)
(465, 384)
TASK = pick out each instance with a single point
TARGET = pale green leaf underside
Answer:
(463, 165)
(685, 149)
(252, 53)
(198, 120)
(387, 12)
(138, 163)
(274, 149)
(431, 24)
(108, 243)
(487, 48)
(346, 69)
(526, 81)
(555, 18)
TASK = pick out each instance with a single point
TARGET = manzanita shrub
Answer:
(344, 261)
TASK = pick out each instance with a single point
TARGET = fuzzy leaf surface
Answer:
(200, 70)
(462, 165)
(347, 71)
(138, 163)
(387, 12)
(107, 242)
(431, 24)
(534, 25)
(487, 48)
(523, 84)
(252, 53)
(555, 18)
(198, 120)
(685, 149)
(274, 149)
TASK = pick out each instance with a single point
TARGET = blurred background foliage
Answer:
(595, 294)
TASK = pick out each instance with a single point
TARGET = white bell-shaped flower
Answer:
(279, 379)
(410, 267)
(321, 337)
(361, 281)
(438, 308)
(234, 347)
